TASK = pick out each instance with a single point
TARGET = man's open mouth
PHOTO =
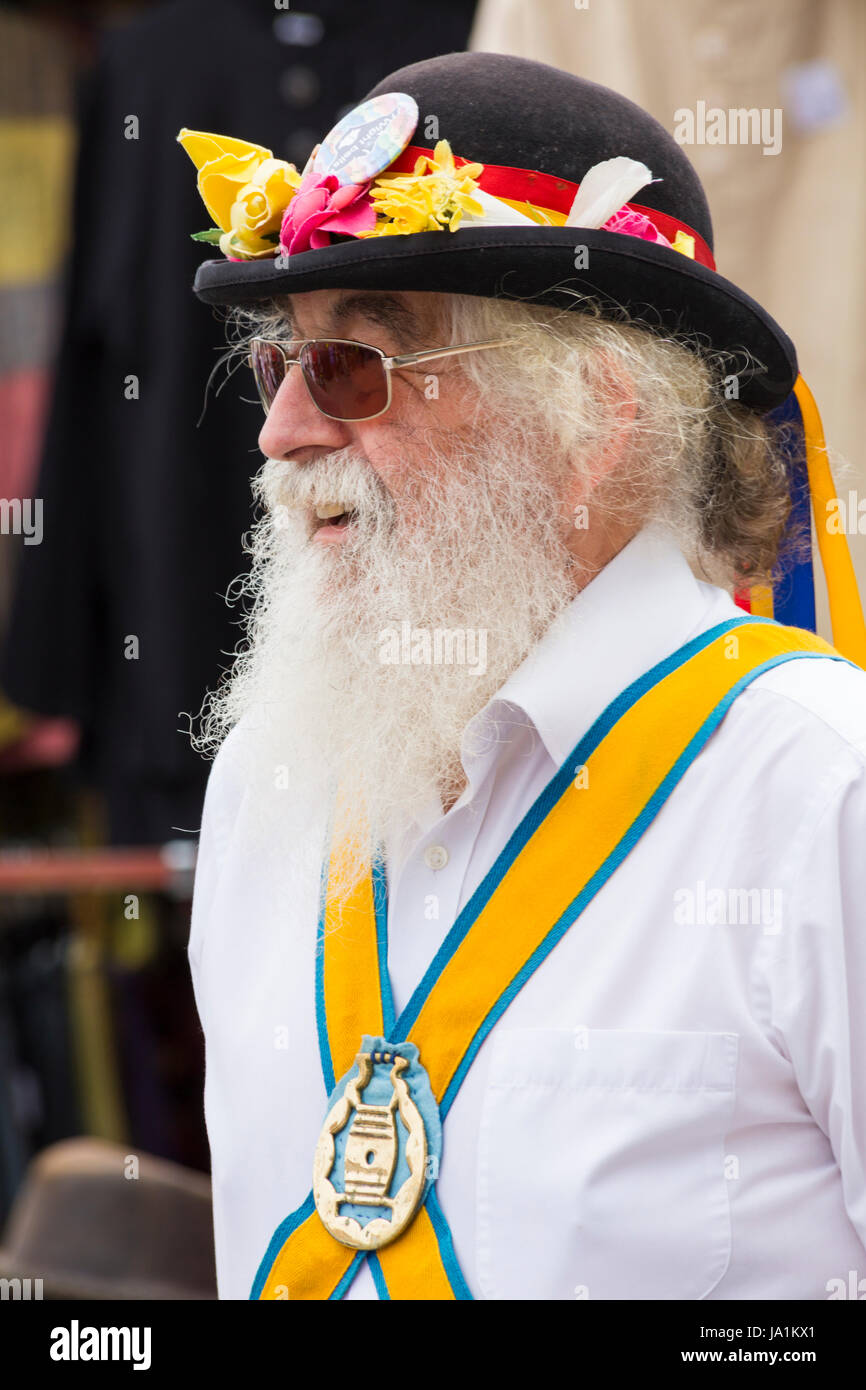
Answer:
(333, 514)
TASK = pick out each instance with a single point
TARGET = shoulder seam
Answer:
(855, 746)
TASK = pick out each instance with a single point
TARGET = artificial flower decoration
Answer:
(323, 205)
(263, 206)
(633, 223)
(433, 197)
(245, 190)
(684, 243)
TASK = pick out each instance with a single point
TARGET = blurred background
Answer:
(123, 503)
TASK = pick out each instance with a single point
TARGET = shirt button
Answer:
(436, 856)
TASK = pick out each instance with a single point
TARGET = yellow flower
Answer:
(684, 243)
(435, 196)
(245, 190)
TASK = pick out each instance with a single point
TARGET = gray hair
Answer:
(711, 470)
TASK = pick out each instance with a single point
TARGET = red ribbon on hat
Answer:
(548, 191)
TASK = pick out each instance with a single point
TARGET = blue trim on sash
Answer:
(321, 1017)
(446, 1249)
(278, 1240)
(380, 904)
(447, 1254)
(378, 1276)
(348, 1276)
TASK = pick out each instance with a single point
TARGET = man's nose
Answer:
(294, 423)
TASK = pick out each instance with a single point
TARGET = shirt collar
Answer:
(643, 605)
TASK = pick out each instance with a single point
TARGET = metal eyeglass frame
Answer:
(390, 364)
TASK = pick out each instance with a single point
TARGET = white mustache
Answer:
(340, 477)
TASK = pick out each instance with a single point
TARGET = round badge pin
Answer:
(368, 138)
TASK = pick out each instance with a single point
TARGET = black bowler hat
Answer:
(538, 131)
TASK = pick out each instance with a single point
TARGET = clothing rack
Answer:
(167, 868)
(97, 1032)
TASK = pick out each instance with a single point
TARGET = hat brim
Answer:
(653, 284)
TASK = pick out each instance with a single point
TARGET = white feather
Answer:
(605, 188)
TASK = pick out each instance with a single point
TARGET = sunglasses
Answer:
(346, 380)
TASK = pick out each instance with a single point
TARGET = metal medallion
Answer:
(374, 1156)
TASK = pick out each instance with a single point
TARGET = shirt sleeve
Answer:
(818, 975)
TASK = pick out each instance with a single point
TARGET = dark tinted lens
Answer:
(346, 380)
(269, 368)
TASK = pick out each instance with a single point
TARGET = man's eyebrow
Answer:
(384, 309)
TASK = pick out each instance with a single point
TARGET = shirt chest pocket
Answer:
(601, 1164)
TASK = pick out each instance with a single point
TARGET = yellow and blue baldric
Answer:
(391, 1081)
(791, 598)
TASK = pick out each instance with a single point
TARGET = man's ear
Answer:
(599, 532)
(617, 393)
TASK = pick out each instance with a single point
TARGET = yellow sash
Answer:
(569, 843)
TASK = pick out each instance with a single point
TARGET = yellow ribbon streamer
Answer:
(846, 611)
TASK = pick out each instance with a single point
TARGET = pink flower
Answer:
(322, 205)
(634, 224)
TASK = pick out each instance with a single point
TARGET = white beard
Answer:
(477, 543)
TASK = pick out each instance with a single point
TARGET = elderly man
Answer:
(528, 932)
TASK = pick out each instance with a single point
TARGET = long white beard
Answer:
(475, 546)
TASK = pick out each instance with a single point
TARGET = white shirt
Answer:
(673, 1105)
